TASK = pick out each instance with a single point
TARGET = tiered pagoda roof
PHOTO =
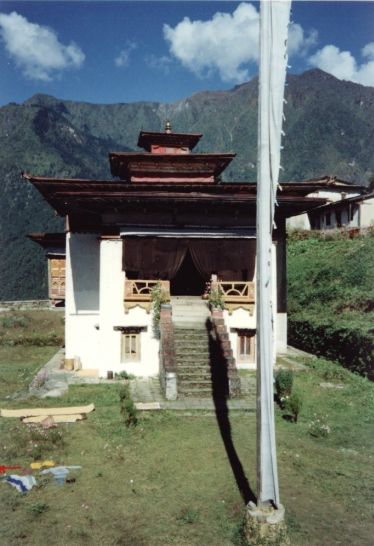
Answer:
(169, 177)
(168, 159)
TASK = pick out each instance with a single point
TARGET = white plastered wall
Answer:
(112, 315)
(243, 319)
(240, 318)
(367, 213)
(82, 298)
(301, 221)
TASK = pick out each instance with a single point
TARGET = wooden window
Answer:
(130, 347)
(56, 278)
(246, 347)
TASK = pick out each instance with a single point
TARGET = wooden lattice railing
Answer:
(236, 294)
(139, 292)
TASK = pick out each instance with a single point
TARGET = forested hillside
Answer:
(331, 297)
(329, 130)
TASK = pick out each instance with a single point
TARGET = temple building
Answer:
(165, 224)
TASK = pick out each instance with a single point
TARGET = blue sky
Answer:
(108, 52)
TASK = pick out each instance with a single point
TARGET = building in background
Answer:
(347, 206)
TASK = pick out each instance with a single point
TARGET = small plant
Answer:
(36, 452)
(124, 375)
(335, 373)
(56, 437)
(293, 405)
(283, 386)
(318, 427)
(188, 515)
(38, 508)
(158, 297)
(14, 321)
(127, 407)
(215, 298)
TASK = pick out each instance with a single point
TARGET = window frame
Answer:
(248, 336)
(126, 352)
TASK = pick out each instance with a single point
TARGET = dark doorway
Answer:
(187, 281)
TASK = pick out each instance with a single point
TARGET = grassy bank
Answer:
(170, 481)
(331, 297)
(34, 328)
(28, 339)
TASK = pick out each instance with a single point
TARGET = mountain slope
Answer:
(329, 130)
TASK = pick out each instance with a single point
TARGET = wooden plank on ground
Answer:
(30, 412)
(56, 418)
(147, 406)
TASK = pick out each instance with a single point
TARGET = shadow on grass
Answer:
(220, 391)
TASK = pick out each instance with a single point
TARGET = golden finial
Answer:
(167, 126)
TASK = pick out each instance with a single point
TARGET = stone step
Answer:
(187, 323)
(200, 306)
(190, 381)
(193, 372)
(194, 362)
(198, 309)
(190, 342)
(194, 351)
(184, 334)
(195, 383)
(192, 345)
(189, 356)
(189, 365)
(192, 375)
(195, 393)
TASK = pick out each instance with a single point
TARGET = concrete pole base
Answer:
(265, 526)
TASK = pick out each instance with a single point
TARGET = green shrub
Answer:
(293, 406)
(188, 515)
(127, 407)
(38, 508)
(319, 427)
(124, 375)
(283, 383)
(353, 347)
(14, 321)
(158, 297)
(216, 298)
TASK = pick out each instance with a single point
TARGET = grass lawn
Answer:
(169, 480)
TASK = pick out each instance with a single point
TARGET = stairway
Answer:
(191, 338)
(193, 362)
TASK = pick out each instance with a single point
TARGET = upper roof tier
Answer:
(168, 160)
(168, 142)
(168, 168)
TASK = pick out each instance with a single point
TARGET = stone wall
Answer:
(168, 369)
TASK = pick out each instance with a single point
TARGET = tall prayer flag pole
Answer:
(274, 20)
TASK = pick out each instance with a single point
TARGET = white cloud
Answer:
(36, 49)
(223, 44)
(226, 43)
(299, 42)
(161, 64)
(123, 59)
(344, 66)
(368, 51)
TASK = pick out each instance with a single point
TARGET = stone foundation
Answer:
(265, 526)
